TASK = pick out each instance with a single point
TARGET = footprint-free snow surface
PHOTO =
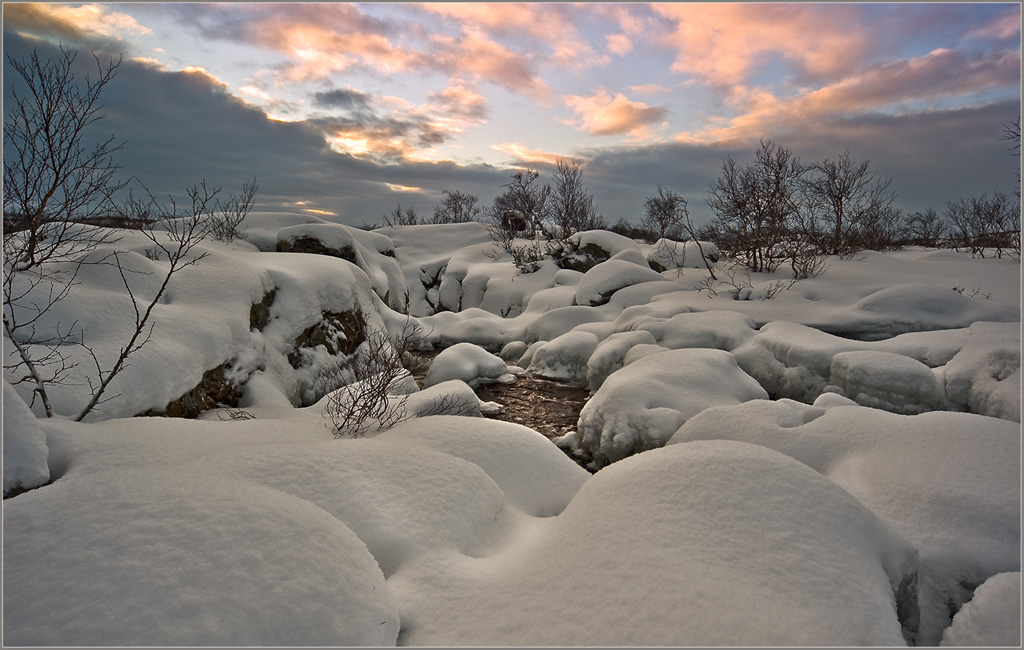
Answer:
(837, 464)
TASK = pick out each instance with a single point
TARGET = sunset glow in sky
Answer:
(401, 101)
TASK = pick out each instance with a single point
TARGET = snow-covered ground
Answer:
(836, 465)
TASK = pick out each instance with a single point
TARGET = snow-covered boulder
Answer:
(609, 354)
(468, 362)
(372, 252)
(724, 330)
(25, 448)
(666, 255)
(984, 375)
(948, 482)
(565, 358)
(640, 406)
(706, 544)
(534, 475)
(891, 382)
(992, 618)
(599, 283)
(162, 558)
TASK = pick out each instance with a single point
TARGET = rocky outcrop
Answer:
(215, 390)
(340, 333)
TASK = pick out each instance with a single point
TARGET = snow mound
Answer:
(640, 406)
(703, 544)
(948, 482)
(565, 358)
(992, 618)
(667, 254)
(187, 562)
(599, 283)
(25, 448)
(984, 376)
(724, 330)
(884, 380)
(534, 475)
(400, 500)
(466, 361)
(610, 353)
(915, 307)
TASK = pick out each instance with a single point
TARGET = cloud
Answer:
(899, 86)
(619, 44)
(602, 114)
(82, 24)
(724, 43)
(473, 54)
(521, 154)
(347, 98)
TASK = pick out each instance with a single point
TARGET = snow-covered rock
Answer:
(948, 482)
(609, 354)
(640, 406)
(701, 544)
(667, 254)
(600, 282)
(565, 358)
(25, 449)
(892, 382)
(992, 618)
(468, 362)
(533, 474)
(157, 557)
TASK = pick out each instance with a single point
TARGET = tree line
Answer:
(773, 210)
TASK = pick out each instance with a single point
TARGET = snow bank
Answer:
(992, 618)
(468, 362)
(534, 475)
(640, 406)
(599, 283)
(723, 330)
(25, 448)
(610, 353)
(948, 482)
(565, 358)
(884, 380)
(703, 544)
(156, 557)
(667, 254)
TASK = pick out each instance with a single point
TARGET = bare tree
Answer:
(365, 397)
(985, 225)
(1011, 132)
(664, 214)
(757, 206)
(398, 217)
(848, 206)
(53, 187)
(524, 205)
(925, 228)
(572, 205)
(51, 179)
(456, 207)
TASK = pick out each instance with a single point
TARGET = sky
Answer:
(344, 111)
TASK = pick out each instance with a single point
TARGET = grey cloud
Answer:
(342, 98)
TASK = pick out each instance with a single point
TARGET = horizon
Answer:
(342, 111)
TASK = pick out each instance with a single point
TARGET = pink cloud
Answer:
(724, 43)
(923, 80)
(76, 23)
(475, 55)
(619, 44)
(602, 114)
(522, 153)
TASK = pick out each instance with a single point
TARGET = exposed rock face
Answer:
(310, 244)
(339, 332)
(259, 313)
(213, 391)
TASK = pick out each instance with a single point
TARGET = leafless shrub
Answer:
(226, 218)
(740, 285)
(234, 415)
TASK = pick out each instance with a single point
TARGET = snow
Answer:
(948, 482)
(158, 557)
(468, 362)
(992, 618)
(836, 465)
(565, 358)
(599, 283)
(699, 544)
(25, 448)
(642, 405)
